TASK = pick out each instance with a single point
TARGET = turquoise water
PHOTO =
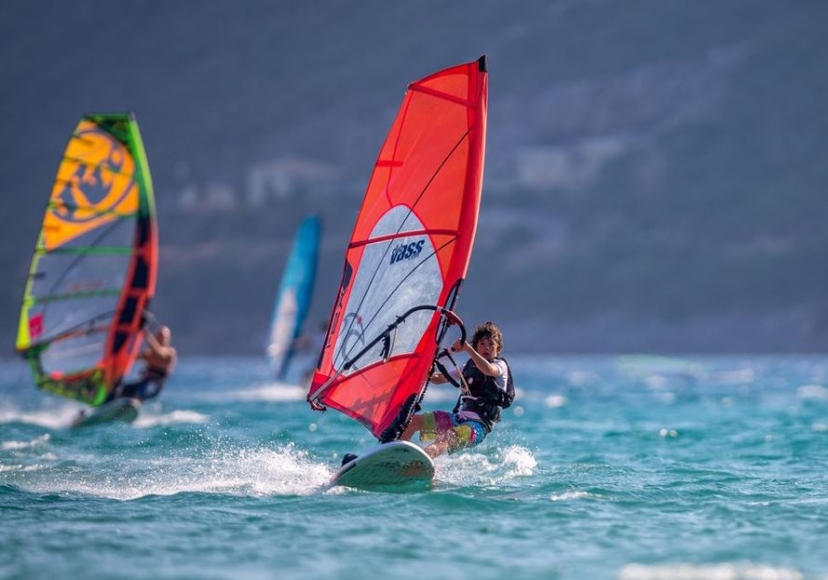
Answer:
(606, 467)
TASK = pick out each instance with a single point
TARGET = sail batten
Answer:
(408, 253)
(61, 205)
(80, 294)
(441, 95)
(402, 234)
(94, 266)
(84, 250)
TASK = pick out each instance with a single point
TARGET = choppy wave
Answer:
(266, 392)
(227, 470)
(741, 571)
(147, 420)
(476, 468)
(32, 443)
(52, 418)
(812, 392)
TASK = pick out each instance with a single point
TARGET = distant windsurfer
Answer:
(159, 358)
(483, 381)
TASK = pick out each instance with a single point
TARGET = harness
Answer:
(153, 374)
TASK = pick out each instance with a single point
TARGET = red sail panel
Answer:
(410, 246)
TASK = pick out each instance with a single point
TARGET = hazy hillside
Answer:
(655, 172)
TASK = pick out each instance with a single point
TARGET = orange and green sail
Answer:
(408, 253)
(95, 263)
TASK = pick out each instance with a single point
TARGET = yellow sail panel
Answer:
(95, 185)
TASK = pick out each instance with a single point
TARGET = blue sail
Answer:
(294, 297)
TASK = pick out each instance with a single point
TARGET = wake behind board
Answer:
(121, 409)
(394, 464)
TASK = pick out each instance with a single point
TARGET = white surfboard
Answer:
(121, 409)
(394, 464)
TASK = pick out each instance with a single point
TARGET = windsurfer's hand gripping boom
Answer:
(443, 375)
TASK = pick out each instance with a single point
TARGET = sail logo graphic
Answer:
(406, 251)
(102, 176)
(95, 185)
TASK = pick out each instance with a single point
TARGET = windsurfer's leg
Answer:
(438, 427)
(446, 441)
(150, 389)
(415, 426)
(429, 425)
(132, 390)
(467, 434)
(460, 435)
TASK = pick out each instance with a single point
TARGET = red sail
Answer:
(410, 247)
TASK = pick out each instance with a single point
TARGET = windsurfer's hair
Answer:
(487, 329)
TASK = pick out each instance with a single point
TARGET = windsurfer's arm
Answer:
(437, 378)
(487, 368)
(152, 342)
(147, 319)
(156, 349)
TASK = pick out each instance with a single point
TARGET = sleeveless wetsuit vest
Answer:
(485, 394)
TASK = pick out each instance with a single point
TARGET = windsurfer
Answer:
(159, 358)
(483, 382)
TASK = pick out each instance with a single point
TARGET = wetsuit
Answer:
(149, 385)
(484, 394)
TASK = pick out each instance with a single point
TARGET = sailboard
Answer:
(293, 299)
(408, 254)
(94, 267)
(121, 409)
(397, 463)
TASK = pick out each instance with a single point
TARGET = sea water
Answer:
(605, 467)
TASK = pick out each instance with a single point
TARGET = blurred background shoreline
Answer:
(655, 172)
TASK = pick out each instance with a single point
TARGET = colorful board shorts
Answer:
(466, 433)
